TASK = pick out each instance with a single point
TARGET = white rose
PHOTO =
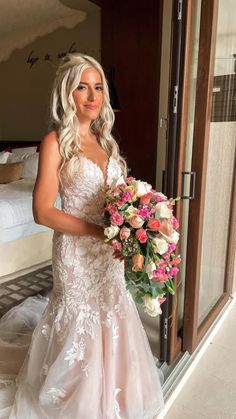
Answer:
(141, 187)
(118, 181)
(130, 212)
(173, 238)
(136, 221)
(150, 268)
(151, 306)
(160, 245)
(111, 232)
(164, 211)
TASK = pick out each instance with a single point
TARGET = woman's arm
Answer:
(45, 194)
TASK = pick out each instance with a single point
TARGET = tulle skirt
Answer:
(45, 377)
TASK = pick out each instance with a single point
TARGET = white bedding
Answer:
(16, 217)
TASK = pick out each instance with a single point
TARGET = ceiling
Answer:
(21, 22)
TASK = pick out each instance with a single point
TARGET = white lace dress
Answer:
(89, 356)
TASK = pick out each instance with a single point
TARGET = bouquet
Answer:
(139, 223)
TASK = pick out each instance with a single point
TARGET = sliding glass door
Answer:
(210, 235)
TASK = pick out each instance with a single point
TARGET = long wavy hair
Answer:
(63, 114)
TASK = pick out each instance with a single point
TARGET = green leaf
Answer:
(138, 300)
(159, 285)
(154, 292)
(146, 287)
(170, 288)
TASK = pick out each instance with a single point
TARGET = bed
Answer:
(24, 245)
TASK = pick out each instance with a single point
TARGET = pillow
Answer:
(4, 156)
(23, 150)
(10, 172)
(30, 168)
(30, 161)
(15, 157)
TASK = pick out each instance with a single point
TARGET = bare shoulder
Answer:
(49, 146)
(49, 154)
(50, 140)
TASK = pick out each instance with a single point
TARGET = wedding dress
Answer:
(89, 356)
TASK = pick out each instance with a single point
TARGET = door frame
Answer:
(192, 333)
(190, 336)
(174, 339)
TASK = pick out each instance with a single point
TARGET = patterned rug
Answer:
(16, 290)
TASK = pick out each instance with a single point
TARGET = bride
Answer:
(89, 356)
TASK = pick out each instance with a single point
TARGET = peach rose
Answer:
(124, 233)
(138, 263)
(164, 211)
(166, 227)
(136, 221)
(131, 189)
(154, 224)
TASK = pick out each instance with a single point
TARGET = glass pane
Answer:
(220, 163)
(188, 160)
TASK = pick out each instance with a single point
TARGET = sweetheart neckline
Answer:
(104, 175)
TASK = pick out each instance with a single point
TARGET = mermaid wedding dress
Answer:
(88, 355)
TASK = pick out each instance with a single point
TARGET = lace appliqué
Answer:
(76, 353)
(56, 394)
(86, 277)
(46, 330)
(86, 320)
(110, 323)
(116, 404)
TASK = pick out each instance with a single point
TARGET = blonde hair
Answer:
(63, 114)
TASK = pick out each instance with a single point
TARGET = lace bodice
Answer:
(83, 197)
(84, 269)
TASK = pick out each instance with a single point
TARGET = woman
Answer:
(89, 357)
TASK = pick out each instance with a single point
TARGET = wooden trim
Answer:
(229, 272)
(231, 249)
(175, 341)
(206, 324)
(205, 72)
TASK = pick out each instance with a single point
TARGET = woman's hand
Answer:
(118, 255)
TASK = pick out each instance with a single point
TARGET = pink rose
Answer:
(159, 198)
(126, 197)
(154, 224)
(141, 235)
(111, 209)
(130, 179)
(159, 275)
(166, 256)
(173, 271)
(116, 219)
(175, 223)
(171, 247)
(162, 264)
(136, 221)
(144, 212)
(124, 233)
(145, 199)
(116, 245)
(161, 299)
(176, 260)
(120, 203)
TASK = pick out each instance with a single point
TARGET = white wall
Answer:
(25, 92)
